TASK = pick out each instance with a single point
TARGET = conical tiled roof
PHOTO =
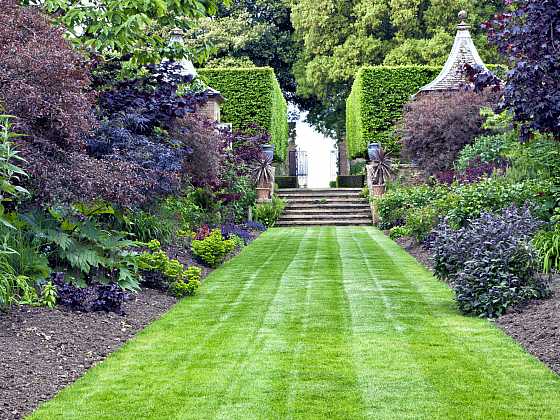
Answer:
(463, 52)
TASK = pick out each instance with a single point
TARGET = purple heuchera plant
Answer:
(93, 298)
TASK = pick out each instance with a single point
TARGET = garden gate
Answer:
(297, 160)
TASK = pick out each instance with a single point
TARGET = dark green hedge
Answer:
(253, 96)
(376, 103)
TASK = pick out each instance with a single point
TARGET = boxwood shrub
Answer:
(252, 97)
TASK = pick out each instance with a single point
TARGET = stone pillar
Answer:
(343, 162)
(375, 191)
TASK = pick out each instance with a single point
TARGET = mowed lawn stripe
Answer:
(390, 375)
(478, 371)
(316, 323)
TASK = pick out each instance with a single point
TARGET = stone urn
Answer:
(378, 190)
(268, 151)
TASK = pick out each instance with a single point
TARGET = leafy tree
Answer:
(251, 31)
(529, 35)
(340, 36)
(138, 31)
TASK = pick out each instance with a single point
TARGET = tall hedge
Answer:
(377, 100)
(253, 96)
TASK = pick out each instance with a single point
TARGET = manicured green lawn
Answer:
(316, 323)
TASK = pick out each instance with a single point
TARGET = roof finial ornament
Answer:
(452, 76)
(463, 16)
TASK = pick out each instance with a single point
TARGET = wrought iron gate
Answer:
(298, 166)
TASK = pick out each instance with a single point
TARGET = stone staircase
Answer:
(325, 207)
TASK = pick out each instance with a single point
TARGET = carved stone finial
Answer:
(463, 15)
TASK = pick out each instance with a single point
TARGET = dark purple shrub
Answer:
(93, 298)
(246, 148)
(70, 296)
(436, 127)
(204, 164)
(110, 298)
(115, 142)
(43, 81)
(151, 101)
(489, 262)
(529, 36)
(480, 78)
(231, 229)
(72, 177)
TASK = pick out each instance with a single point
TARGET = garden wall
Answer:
(253, 96)
(377, 99)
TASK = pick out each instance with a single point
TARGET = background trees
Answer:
(338, 37)
(136, 31)
(246, 32)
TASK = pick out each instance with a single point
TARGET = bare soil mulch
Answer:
(535, 325)
(43, 350)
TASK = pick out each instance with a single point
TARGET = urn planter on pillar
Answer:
(263, 177)
(373, 151)
(268, 151)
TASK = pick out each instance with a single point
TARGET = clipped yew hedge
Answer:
(253, 97)
(376, 102)
(377, 99)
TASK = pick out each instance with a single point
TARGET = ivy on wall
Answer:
(252, 97)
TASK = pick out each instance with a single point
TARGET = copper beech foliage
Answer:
(436, 126)
(46, 85)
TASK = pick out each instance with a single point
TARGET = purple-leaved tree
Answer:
(529, 36)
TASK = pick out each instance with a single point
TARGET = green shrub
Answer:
(536, 159)
(547, 244)
(10, 173)
(180, 281)
(180, 289)
(147, 225)
(487, 149)
(15, 290)
(213, 249)
(376, 103)
(269, 213)
(393, 207)
(253, 97)
(421, 221)
(418, 209)
(187, 286)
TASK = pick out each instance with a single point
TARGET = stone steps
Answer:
(324, 207)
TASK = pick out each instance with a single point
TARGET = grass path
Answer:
(316, 323)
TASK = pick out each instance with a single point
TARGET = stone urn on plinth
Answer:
(263, 177)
